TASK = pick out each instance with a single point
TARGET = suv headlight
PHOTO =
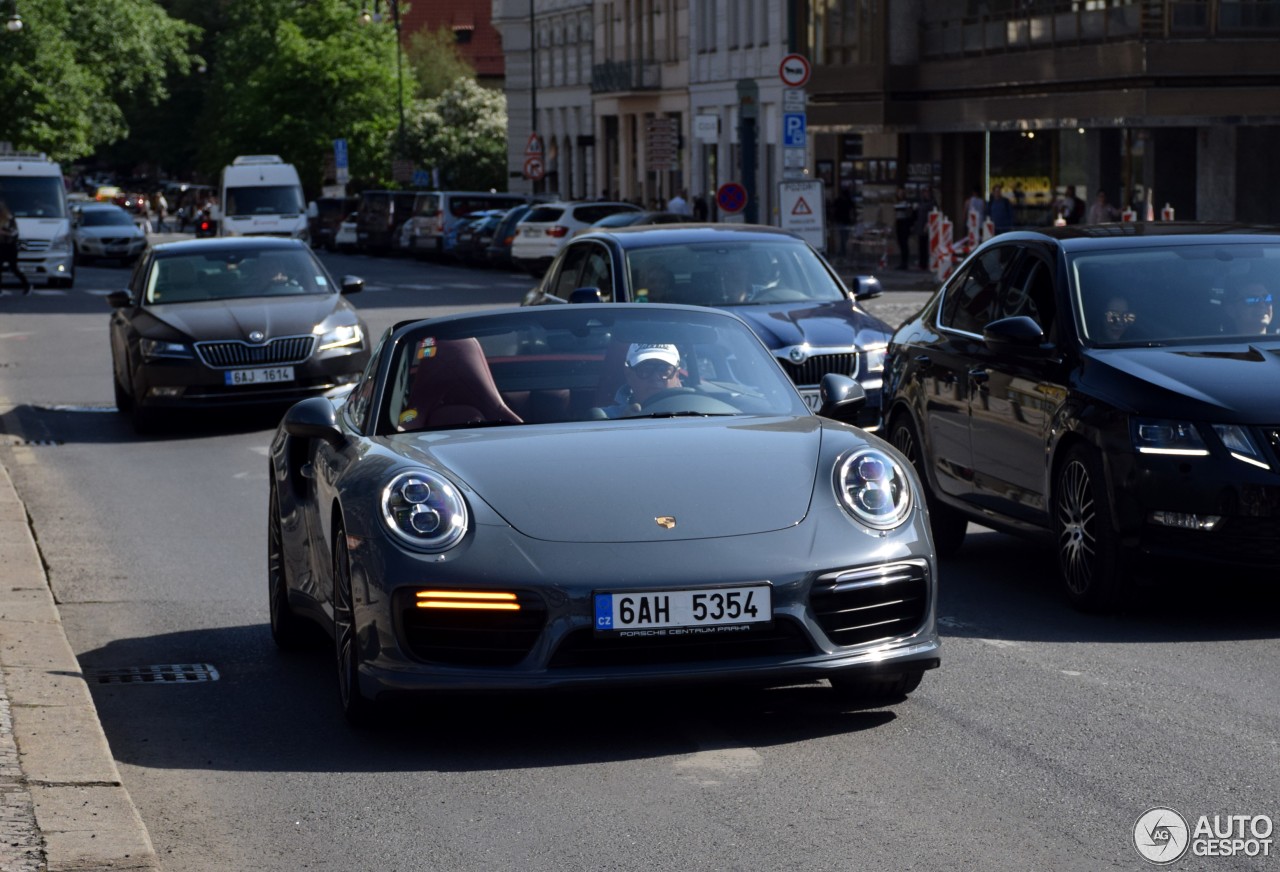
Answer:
(873, 488)
(154, 349)
(875, 357)
(424, 511)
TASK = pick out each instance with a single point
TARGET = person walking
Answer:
(162, 210)
(926, 205)
(844, 211)
(1000, 210)
(904, 216)
(9, 246)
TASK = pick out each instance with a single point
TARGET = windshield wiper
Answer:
(685, 414)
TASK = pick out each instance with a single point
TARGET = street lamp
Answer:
(366, 17)
(14, 22)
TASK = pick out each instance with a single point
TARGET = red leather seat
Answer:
(452, 385)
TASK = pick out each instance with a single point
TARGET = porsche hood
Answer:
(637, 481)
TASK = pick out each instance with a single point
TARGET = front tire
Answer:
(1091, 561)
(948, 525)
(358, 709)
(877, 689)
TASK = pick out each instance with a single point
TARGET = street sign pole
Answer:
(748, 112)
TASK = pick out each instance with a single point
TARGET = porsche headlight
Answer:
(339, 337)
(1241, 445)
(873, 488)
(1154, 436)
(154, 349)
(424, 511)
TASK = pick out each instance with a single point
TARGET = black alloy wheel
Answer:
(356, 708)
(1091, 562)
(286, 627)
(947, 524)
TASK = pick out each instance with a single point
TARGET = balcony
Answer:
(1063, 23)
(615, 76)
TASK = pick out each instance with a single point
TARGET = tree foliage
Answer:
(463, 134)
(436, 62)
(292, 77)
(68, 75)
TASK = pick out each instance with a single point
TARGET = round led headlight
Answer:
(424, 511)
(873, 488)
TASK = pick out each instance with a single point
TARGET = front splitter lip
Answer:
(920, 652)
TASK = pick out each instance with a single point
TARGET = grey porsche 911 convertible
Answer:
(595, 495)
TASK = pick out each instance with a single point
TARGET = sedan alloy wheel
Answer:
(1089, 554)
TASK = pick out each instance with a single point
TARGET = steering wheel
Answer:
(665, 394)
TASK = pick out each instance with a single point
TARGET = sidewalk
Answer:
(62, 805)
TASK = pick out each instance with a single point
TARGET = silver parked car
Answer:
(106, 231)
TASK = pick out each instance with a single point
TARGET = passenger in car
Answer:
(1247, 308)
(1117, 319)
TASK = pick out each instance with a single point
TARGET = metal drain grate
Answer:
(165, 673)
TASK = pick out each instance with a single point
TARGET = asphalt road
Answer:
(1037, 745)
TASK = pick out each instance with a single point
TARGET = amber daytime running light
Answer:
(465, 599)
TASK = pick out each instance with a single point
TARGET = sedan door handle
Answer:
(307, 471)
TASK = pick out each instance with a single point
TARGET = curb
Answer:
(63, 807)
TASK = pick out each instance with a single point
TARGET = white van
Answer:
(31, 186)
(262, 196)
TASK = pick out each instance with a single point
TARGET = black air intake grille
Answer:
(277, 352)
(870, 605)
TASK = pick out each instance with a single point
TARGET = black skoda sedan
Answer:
(1117, 385)
(771, 278)
(232, 322)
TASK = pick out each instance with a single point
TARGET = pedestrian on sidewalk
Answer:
(844, 211)
(928, 202)
(9, 246)
(904, 216)
(161, 209)
(1000, 210)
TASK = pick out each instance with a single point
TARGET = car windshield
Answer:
(105, 218)
(1190, 292)
(732, 274)
(223, 275)
(545, 365)
(264, 200)
(34, 196)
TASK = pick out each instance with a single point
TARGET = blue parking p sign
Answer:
(793, 129)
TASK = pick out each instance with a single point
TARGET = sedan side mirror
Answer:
(314, 418)
(866, 287)
(119, 299)
(352, 284)
(586, 295)
(842, 398)
(1016, 335)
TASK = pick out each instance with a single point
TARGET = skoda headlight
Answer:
(339, 337)
(873, 488)
(424, 511)
(1155, 436)
(154, 349)
(1241, 445)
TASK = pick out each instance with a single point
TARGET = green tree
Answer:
(68, 74)
(463, 134)
(436, 62)
(288, 78)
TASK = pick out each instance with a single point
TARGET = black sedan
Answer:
(232, 322)
(595, 496)
(1117, 385)
(773, 279)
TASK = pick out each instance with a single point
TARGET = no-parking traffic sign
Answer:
(731, 197)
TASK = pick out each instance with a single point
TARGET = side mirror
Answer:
(586, 295)
(1016, 335)
(866, 287)
(352, 284)
(841, 397)
(119, 299)
(314, 418)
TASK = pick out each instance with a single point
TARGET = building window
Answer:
(843, 32)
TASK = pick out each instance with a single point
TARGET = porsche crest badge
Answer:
(666, 521)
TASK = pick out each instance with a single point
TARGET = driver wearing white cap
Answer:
(649, 369)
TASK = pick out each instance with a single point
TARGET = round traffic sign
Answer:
(533, 168)
(731, 197)
(795, 70)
